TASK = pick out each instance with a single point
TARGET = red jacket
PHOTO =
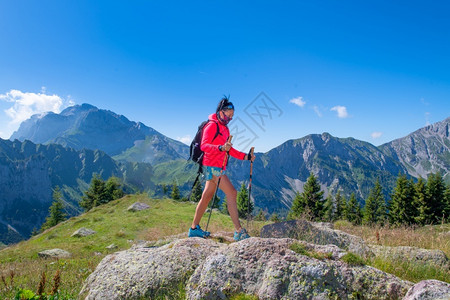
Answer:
(213, 157)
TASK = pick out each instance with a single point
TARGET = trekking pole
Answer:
(225, 160)
(250, 185)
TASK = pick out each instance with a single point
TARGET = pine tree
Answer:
(340, 206)
(165, 189)
(421, 202)
(260, 216)
(401, 208)
(436, 191)
(243, 202)
(298, 207)
(328, 209)
(447, 203)
(56, 213)
(101, 192)
(354, 214)
(275, 218)
(224, 207)
(311, 199)
(175, 192)
(94, 195)
(112, 190)
(197, 192)
(375, 208)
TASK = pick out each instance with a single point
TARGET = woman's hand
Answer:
(227, 146)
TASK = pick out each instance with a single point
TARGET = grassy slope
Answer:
(113, 224)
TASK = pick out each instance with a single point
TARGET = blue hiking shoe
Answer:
(198, 232)
(239, 236)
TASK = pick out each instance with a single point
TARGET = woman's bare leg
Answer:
(208, 193)
(231, 193)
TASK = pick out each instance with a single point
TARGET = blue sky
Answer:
(372, 70)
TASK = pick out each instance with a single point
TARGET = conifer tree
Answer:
(275, 218)
(112, 190)
(401, 210)
(447, 203)
(94, 195)
(340, 206)
(328, 209)
(260, 216)
(421, 202)
(311, 199)
(298, 207)
(243, 202)
(197, 192)
(165, 189)
(224, 207)
(436, 191)
(375, 208)
(354, 214)
(56, 213)
(175, 192)
(101, 192)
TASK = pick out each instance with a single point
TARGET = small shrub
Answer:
(353, 259)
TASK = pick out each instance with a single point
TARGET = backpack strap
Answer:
(217, 132)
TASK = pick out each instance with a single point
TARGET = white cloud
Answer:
(185, 139)
(317, 111)
(341, 111)
(24, 105)
(376, 134)
(298, 101)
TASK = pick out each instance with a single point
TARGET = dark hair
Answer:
(224, 104)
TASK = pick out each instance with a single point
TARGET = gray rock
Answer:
(265, 267)
(147, 271)
(429, 290)
(268, 269)
(317, 233)
(112, 246)
(434, 257)
(138, 206)
(82, 232)
(54, 253)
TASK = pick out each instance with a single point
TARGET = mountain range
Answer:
(87, 127)
(30, 172)
(65, 149)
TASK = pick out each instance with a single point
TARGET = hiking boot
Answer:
(239, 236)
(198, 232)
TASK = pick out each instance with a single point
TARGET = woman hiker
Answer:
(215, 152)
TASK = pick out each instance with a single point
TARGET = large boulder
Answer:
(265, 267)
(147, 271)
(268, 269)
(429, 290)
(317, 233)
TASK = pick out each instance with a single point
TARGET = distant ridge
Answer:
(339, 163)
(424, 151)
(86, 126)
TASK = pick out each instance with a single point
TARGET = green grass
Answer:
(301, 249)
(113, 224)
(426, 237)
(353, 259)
